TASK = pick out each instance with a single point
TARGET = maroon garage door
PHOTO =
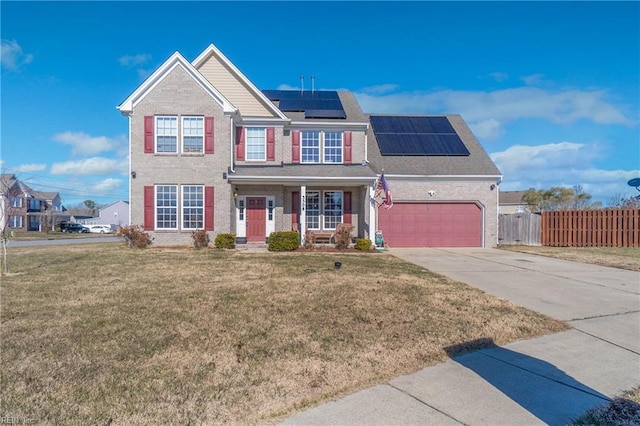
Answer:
(431, 225)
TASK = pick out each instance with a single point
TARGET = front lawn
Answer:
(98, 334)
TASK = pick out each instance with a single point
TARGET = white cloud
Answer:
(488, 112)
(287, 87)
(11, 55)
(107, 186)
(380, 89)
(90, 166)
(84, 145)
(130, 61)
(29, 168)
(499, 76)
(560, 164)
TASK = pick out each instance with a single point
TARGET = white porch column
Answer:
(373, 223)
(303, 213)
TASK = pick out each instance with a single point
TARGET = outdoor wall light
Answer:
(492, 187)
(431, 193)
(133, 174)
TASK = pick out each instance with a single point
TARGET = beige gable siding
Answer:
(233, 89)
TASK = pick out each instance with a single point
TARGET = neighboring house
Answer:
(114, 214)
(209, 150)
(26, 209)
(510, 202)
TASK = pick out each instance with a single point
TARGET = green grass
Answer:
(93, 334)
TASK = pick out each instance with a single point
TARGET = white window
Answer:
(332, 209)
(270, 205)
(333, 147)
(256, 138)
(193, 134)
(313, 209)
(241, 209)
(166, 134)
(15, 202)
(166, 207)
(325, 212)
(310, 145)
(193, 207)
(321, 147)
(15, 221)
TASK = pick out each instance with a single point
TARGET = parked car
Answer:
(73, 227)
(100, 229)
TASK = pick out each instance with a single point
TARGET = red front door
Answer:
(256, 219)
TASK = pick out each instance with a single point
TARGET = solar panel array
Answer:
(316, 104)
(410, 135)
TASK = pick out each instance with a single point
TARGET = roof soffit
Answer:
(176, 60)
(214, 51)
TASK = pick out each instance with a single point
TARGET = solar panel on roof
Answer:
(414, 135)
(316, 104)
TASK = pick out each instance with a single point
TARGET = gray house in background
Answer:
(114, 214)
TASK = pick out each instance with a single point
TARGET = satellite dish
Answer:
(634, 183)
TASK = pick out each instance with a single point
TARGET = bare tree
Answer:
(8, 191)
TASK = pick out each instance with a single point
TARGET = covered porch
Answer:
(268, 199)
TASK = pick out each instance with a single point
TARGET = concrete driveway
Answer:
(546, 380)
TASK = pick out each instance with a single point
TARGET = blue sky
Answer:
(550, 89)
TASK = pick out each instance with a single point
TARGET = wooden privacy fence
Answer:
(519, 229)
(591, 228)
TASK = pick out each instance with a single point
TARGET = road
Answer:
(66, 241)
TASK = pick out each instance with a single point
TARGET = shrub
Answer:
(309, 240)
(284, 241)
(200, 238)
(134, 236)
(225, 241)
(343, 235)
(363, 244)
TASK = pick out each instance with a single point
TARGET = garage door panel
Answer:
(432, 225)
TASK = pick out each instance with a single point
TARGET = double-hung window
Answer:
(192, 207)
(166, 134)
(310, 145)
(166, 207)
(324, 210)
(15, 221)
(256, 143)
(16, 202)
(192, 134)
(333, 147)
(321, 147)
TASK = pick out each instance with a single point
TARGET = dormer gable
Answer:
(176, 60)
(225, 76)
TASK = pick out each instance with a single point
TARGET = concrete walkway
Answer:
(547, 380)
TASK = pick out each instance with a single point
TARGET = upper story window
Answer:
(192, 134)
(15, 202)
(167, 134)
(35, 204)
(256, 143)
(321, 147)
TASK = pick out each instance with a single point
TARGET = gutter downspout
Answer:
(233, 138)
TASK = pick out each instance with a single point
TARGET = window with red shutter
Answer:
(149, 208)
(239, 144)
(347, 147)
(149, 140)
(295, 146)
(208, 207)
(208, 135)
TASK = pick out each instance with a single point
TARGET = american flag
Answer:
(383, 188)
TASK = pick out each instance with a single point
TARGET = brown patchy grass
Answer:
(98, 334)
(623, 410)
(616, 257)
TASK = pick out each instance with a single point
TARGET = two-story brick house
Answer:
(25, 209)
(209, 150)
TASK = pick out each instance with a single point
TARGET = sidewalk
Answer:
(551, 379)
